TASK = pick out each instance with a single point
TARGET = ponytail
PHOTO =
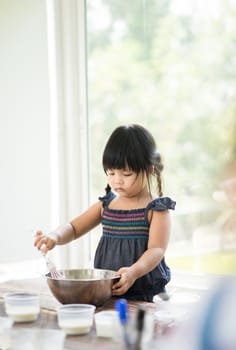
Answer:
(108, 189)
(158, 167)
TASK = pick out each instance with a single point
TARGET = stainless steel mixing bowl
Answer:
(82, 286)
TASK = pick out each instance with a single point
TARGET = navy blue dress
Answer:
(124, 240)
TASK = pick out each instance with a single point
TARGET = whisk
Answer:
(55, 274)
(50, 265)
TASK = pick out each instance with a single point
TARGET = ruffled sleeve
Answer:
(107, 199)
(161, 204)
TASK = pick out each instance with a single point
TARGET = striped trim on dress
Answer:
(129, 224)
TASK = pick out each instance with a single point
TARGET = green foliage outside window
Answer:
(170, 65)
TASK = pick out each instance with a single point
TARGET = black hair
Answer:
(134, 147)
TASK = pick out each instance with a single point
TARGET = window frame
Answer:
(69, 150)
(70, 132)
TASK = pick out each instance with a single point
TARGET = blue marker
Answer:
(122, 308)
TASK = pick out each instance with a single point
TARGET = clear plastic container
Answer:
(22, 307)
(108, 324)
(5, 326)
(36, 339)
(76, 318)
(179, 301)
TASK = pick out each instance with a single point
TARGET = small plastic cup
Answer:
(108, 324)
(178, 301)
(36, 339)
(5, 322)
(76, 319)
(22, 307)
(147, 332)
(5, 326)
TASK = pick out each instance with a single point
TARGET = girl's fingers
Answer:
(42, 241)
(43, 249)
(37, 236)
(120, 284)
(119, 291)
(38, 233)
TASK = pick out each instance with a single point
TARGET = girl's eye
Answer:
(128, 174)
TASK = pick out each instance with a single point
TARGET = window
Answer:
(169, 65)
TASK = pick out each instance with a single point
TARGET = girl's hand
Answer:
(126, 281)
(44, 243)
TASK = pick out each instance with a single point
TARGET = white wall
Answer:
(43, 125)
(24, 126)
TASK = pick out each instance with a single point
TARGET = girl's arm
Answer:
(87, 220)
(159, 234)
(70, 231)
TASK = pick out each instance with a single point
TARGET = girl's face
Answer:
(126, 182)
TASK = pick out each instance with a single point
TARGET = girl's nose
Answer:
(118, 180)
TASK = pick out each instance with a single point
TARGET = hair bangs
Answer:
(114, 160)
(123, 153)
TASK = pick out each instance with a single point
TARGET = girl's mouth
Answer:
(119, 189)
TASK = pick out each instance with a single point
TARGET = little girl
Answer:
(136, 225)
